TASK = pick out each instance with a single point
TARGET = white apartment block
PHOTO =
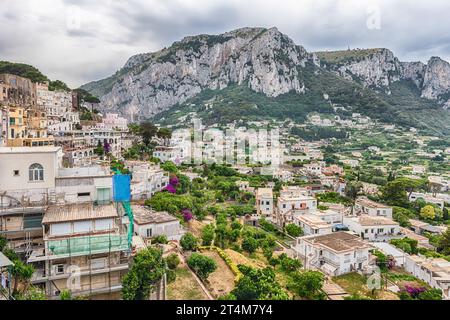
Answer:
(86, 239)
(290, 205)
(335, 254)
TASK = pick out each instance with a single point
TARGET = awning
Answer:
(4, 261)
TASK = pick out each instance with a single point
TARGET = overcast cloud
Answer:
(78, 41)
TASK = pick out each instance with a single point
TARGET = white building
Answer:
(331, 217)
(390, 250)
(314, 168)
(374, 229)
(28, 174)
(438, 200)
(146, 180)
(173, 154)
(84, 184)
(150, 224)
(372, 208)
(435, 272)
(313, 225)
(112, 121)
(292, 205)
(335, 254)
(264, 202)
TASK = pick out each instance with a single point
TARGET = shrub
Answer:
(203, 266)
(250, 244)
(161, 239)
(171, 276)
(189, 242)
(173, 261)
(293, 230)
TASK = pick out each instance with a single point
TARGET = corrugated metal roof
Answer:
(77, 212)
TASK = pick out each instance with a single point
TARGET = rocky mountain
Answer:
(264, 59)
(272, 66)
(379, 69)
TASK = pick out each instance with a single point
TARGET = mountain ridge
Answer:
(264, 60)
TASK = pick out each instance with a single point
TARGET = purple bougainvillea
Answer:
(171, 189)
(414, 291)
(172, 186)
(174, 181)
(106, 146)
(187, 215)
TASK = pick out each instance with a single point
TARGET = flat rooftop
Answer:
(264, 192)
(339, 241)
(13, 150)
(313, 221)
(78, 212)
(145, 215)
(79, 172)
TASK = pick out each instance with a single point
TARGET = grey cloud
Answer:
(36, 32)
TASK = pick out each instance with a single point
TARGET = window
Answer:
(149, 233)
(59, 269)
(16, 173)
(84, 194)
(36, 172)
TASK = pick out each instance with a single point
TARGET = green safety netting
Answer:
(88, 245)
(129, 213)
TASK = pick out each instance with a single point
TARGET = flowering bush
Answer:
(171, 189)
(414, 292)
(172, 186)
(187, 215)
(174, 181)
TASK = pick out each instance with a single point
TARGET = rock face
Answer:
(373, 67)
(379, 68)
(265, 60)
(436, 79)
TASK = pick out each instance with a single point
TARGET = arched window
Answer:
(36, 172)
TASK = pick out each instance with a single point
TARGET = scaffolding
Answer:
(88, 245)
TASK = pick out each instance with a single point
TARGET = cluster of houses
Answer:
(32, 115)
(338, 240)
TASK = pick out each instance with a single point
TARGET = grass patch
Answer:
(185, 287)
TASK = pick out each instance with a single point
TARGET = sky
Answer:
(79, 41)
